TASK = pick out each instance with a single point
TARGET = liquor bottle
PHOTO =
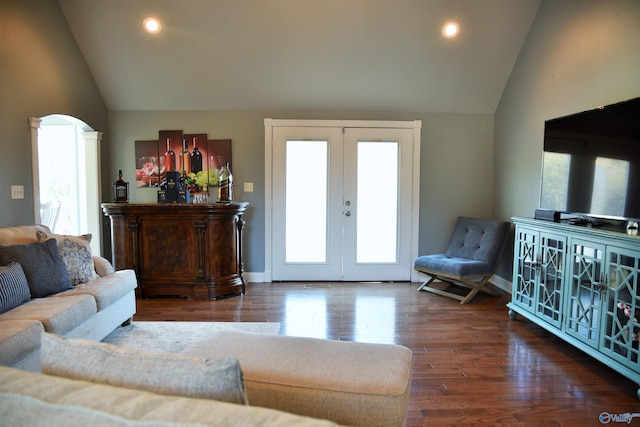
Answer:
(120, 190)
(225, 190)
(185, 159)
(196, 157)
(169, 158)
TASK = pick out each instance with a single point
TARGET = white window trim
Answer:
(93, 140)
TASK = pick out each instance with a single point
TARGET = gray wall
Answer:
(579, 54)
(456, 162)
(42, 72)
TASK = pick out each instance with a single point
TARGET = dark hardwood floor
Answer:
(471, 364)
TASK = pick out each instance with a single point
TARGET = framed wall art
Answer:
(192, 154)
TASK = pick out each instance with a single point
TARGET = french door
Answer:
(343, 200)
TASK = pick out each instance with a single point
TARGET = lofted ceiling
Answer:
(345, 55)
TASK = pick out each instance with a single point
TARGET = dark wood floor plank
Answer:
(472, 365)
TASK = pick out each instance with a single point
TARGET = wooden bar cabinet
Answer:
(176, 249)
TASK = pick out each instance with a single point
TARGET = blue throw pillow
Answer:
(14, 289)
(45, 272)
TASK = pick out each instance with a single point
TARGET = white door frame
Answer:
(269, 124)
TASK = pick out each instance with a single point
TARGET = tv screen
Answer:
(591, 163)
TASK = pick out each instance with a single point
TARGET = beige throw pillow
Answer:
(75, 252)
(162, 373)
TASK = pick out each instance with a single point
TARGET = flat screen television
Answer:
(591, 163)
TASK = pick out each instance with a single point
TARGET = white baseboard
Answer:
(254, 277)
(499, 282)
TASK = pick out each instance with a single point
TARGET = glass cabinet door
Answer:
(550, 275)
(620, 327)
(524, 275)
(586, 285)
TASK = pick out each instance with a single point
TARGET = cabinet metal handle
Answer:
(537, 264)
(602, 286)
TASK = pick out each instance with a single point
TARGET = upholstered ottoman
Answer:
(350, 383)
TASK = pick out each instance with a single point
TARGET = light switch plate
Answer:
(248, 187)
(17, 191)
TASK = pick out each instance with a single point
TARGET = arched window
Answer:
(66, 168)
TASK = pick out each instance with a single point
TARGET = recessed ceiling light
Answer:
(151, 25)
(450, 29)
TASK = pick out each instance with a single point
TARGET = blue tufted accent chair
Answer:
(472, 257)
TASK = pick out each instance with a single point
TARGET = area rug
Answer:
(173, 337)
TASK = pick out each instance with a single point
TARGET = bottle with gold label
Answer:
(185, 159)
(225, 190)
(169, 158)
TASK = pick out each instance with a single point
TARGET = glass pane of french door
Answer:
(377, 182)
(306, 179)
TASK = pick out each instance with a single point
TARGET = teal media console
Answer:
(582, 284)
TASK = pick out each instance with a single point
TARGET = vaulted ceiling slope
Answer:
(345, 55)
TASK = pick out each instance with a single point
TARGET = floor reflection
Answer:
(375, 320)
(363, 318)
(306, 315)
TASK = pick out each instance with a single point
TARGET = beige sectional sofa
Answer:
(341, 383)
(28, 398)
(88, 383)
(88, 310)
(288, 381)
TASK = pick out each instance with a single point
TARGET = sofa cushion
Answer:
(21, 234)
(18, 339)
(75, 252)
(106, 290)
(455, 266)
(143, 406)
(20, 410)
(219, 378)
(57, 315)
(14, 289)
(42, 265)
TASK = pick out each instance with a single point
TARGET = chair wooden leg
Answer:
(474, 288)
(477, 287)
(472, 293)
(445, 294)
(424, 286)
